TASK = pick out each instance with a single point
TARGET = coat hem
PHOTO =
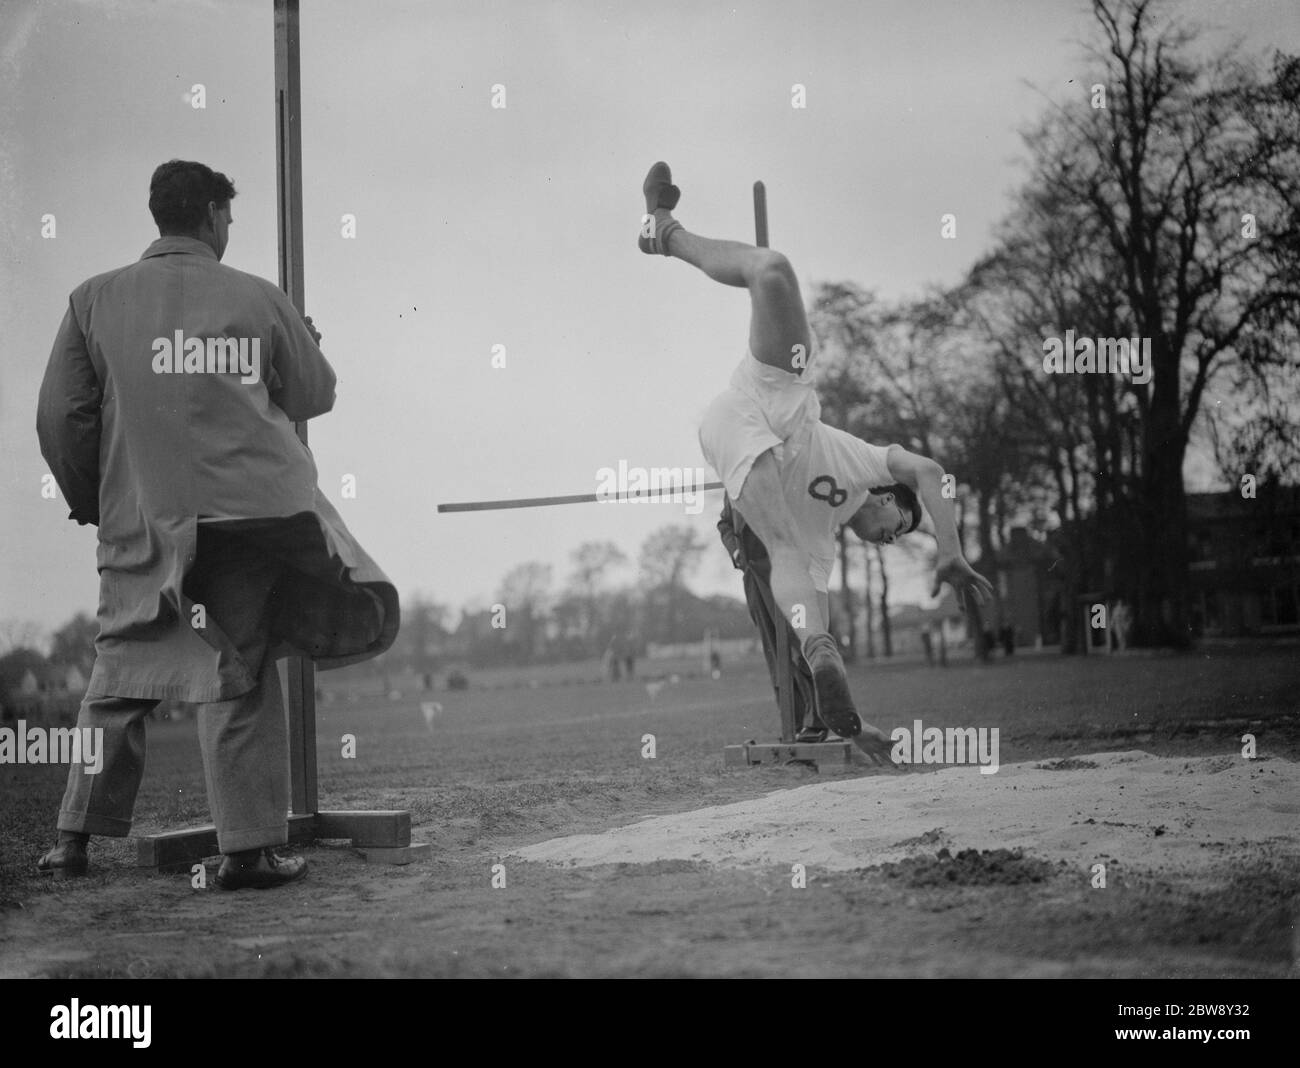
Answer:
(111, 684)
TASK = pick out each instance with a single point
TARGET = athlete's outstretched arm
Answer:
(926, 477)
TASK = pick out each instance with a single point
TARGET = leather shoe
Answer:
(64, 860)
(266, 871)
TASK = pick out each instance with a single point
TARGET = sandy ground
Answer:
(944, 873)
(558, 850)
(1147, 813)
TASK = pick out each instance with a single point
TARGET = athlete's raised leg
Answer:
(778, 325)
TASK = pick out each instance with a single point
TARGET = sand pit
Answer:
(1146, 813)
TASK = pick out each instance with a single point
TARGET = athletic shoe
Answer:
(659, 193)
(834, 702)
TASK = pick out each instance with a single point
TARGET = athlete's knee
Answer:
(779, 533)
(771, 273)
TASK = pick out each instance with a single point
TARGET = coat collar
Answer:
(168, 246)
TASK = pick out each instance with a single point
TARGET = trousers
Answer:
(244, 741)
(762, 610)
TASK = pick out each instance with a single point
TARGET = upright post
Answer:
(288, 171)
(784, 678)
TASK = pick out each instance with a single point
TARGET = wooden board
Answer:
(177, 850)
(751, 753)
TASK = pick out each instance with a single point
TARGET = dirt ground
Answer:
(617, 865)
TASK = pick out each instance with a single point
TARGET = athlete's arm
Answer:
(730, 539)
(926, 477)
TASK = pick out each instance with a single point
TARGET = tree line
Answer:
(1162, 204)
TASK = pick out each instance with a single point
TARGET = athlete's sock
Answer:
(664, 227)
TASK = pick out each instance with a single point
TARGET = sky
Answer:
(485, 231)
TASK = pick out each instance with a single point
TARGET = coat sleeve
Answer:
(302, 382)
(68, 420)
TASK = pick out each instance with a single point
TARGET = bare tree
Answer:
(1167, 173)
(73, 644)
(424, 628)
(523, 593)
(592, 562)
(20, 634)
(668, 557)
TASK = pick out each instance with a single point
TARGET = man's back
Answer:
(195, 372)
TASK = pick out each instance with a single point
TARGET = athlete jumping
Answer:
(794, 480)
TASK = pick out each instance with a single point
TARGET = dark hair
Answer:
(180, 191)
(906, 500)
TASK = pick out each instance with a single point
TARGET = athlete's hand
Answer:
(315, 334)
(876, 746)
(964, 580)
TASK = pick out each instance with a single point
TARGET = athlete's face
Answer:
(880, 521)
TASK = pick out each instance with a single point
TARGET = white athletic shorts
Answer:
(762, 408)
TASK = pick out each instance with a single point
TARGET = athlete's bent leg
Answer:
(762, 504)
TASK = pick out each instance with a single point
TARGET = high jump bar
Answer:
(575, 498)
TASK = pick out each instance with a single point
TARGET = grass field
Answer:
(504, 767)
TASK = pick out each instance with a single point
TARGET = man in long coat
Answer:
(166, 415)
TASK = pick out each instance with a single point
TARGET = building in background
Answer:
(1245, 562)
(1031, 590)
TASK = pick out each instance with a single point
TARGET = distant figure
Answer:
(629, 658)
(986, 645)
(1121, 620)
(611, 661)
(430, 710)
(715, 663)
(927, 643)
(1007, 634)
